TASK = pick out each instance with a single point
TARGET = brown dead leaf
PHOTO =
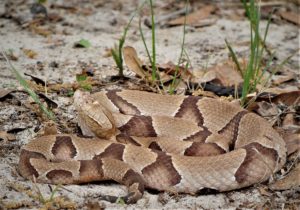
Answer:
(204, 76)
(134, 63)
(291, 17)
(7, 136)
(288, 121)
(269, 111)
(277, 90)
(4, 92)
(226, 74)
(171, 69)
(292, 141)
(286, 76)
(29, 53)
(196, 18)
(291, 181)
(289, 98)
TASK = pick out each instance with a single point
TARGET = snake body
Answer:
(180, 144)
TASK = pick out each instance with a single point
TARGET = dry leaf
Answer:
(286, 76)
(195, 18)
(133, 62)
(268, 111)
(289, 98)
(291, 17)
(4, 92)
(7, 136)
(292, 180)
(277, 90)
(170, 68)
(226, 75)
(203, 77)
(288, 120)
(292, 141)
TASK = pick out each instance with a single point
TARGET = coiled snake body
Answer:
(169, 143)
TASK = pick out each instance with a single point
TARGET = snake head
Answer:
(93, 118)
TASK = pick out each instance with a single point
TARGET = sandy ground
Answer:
(102, 27)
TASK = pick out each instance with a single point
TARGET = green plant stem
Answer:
(153, 43)
(235, 59)
(172, 88)
(117, 52)
(144, 41)
(122, 42)
(252, 74)
(25, 85)
(262, 42)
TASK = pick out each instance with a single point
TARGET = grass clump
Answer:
(152, 58)
(117, 50)
(254, 70)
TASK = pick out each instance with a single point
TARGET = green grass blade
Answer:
(258, 78)
(264, 41)
(118, 60)
(153, 43)
(25, 85)
(234, 57)
(117, 51)
(172, 88)
(144, 41)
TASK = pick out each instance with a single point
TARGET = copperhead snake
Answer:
(180, 144)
